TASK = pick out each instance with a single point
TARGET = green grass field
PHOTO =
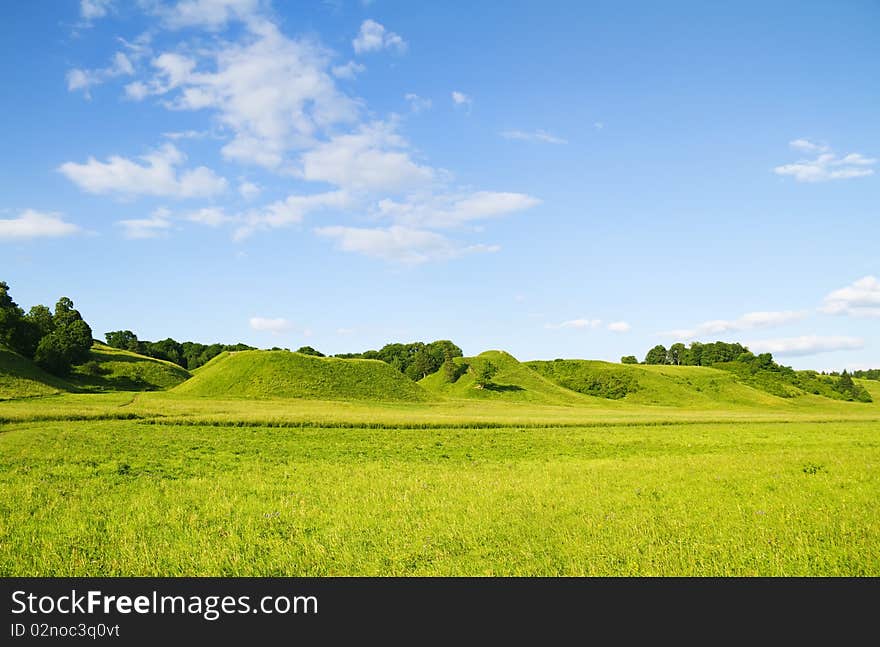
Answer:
(223, 476)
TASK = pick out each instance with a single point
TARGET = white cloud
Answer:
(861, 299)
(283, 213)
(91, 9)
(155, 226)
(157, 177)
(273, 325)
(442, 211)
(748, 321)
(536, 136)
(373, 37)
(805, 345)
(211, 216)
(619, 326)
(826, 166)
(78, 79)
(598, 125)
(399, 244)
(373, 158)
(249, 190)
(207, 14)
(461, 99)
(185, 134)
(417, 104)
(272, 92)
(806, 146)
(36, 224)
(580, 324)
(348, 71)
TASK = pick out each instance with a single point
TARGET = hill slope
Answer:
(112, 369)
(682, 386)
(282, 374)
(21, 378)
(514, 382)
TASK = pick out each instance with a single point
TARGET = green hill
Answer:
(112, 369)
(514, 382)
(683, 386)
(282, 374)
(21, 378)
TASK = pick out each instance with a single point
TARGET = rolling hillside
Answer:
(514, 382)
(282, 374)
(21, 378)
(112, 369)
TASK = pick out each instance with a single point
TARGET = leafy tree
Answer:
(15, 331)
(166, 349)
(423, 364)
(52, 354)
(484, 373)
(656, 355)
(122, 339)
(629, 359)
(676, 353)
(451, 370)
(308, 350)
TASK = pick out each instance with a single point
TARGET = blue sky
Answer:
(582, 179)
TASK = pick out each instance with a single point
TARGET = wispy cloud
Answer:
(860, 299)
(373, 37)
(747, 321)
(461, 99)
(276, 326)
(805, 345)
(453, 210)
(399, 244)
(581, 324)
(619, 326)
(417, 104)
(348, 71)
(156, 226)
(535, 136)
(158, 176)
(827, 165)
(84, 80)
(36, 224)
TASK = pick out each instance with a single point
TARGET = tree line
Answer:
(55, 340)
(728, 355)
(416, 360)
(189, 354)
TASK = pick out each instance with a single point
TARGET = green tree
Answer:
(656, 355)
(52, 354)
(14, 330)
(484, 373)
(308, 350)
(629, 359)
(451, 370)
(676, 353)
(122, 339)
(421, 365)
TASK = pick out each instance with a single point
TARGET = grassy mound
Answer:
(111, 369)
(514, 382)
(683, 386)
(21, 378)
(282, 374)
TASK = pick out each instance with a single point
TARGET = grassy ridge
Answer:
(21, 378)
(112, 369)
(684, 386)
(514, 382)
(282, 374)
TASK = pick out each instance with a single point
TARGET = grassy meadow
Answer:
(691, 472)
